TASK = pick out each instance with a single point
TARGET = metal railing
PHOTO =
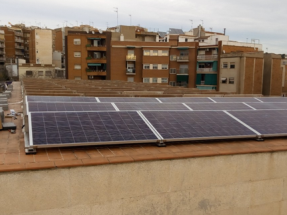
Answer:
(19, 40)
(182, 71)
(207, 57)
(2, 59)
(1, 52)
(182, 57)
(205, 70)
(19, 53)
(19, 47)
(19, 34)
(132, 71)
(131, 57)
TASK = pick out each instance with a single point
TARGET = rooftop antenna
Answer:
(77, 22)
(130, 19)
(267, 49)
(107, 25)
(191, 22)
(246, 40)
(201, 22)
(210, 29)
(117, 11)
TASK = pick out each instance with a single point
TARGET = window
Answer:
(172, 57)
(146, 80)
(38, 60)
(146, 52)
(186, 40)
(60, 73)
(164, 80)
(154, 66)
(146, 66)
(77, 66)
(231, 80)
(223, 80)
(29, 73)
(154, 53)
(172, 83)
(154, 80)
(40, 73)
(164, 53)
(77, 54)
(172, 71)
(232, 65)
(164, 66)
(77, 41)
(37, 51)
(130, 79)
(48, 73)
(225, 65)
(201, 52)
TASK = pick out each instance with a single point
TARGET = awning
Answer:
(182, 78)
(94, 38)
(94, 64)
(182, 48)
(130, 47)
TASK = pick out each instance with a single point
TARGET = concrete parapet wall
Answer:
(247, 184)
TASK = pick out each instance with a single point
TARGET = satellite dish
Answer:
(100, 31)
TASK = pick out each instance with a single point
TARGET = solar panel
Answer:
(238, 99)
(188, 125)
(274, 106)
(127, 99)
(218, 106)
(185, 99)
(266, 122)
(150, 106)
(273, 99)
(60, 99)
(68, 128)
(61, 106)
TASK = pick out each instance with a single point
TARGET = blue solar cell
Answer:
(60, 99)
(196, 124)
(266, 122)
(127, 99)
(273, 99)
(89, 127)
(60, 106)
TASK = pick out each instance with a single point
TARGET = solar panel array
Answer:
(69, 121)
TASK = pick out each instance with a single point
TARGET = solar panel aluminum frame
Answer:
(30, 148)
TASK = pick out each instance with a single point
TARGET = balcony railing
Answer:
(2, 46)
(207, 57)
(1, 52)
(19, 53)
(19, 41)
(183, 71)
(131, 72)
(205, 70)
(182, 58)
(19, 34)
(131, 57)
(92, 70)
(19, 47)
(2, 59)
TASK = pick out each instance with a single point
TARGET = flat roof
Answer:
(13, 157)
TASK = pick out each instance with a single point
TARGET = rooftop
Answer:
(13, 157)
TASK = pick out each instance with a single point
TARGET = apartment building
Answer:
(87, 55)
(14, 43)
(241, 72)
(272, 77)
(40, 46)
(284, 75)
(2, 49)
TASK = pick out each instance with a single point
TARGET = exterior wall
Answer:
(35, 71)
(272, 81)
(57, 59)
(284, 78)
(59, 40)
(232, 48)
(2, 50)
(43, 46)
(230, 73)
(257, 47)
(250, 184)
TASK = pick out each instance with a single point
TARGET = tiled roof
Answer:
(13, 157)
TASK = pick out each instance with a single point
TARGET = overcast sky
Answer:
(255, 19)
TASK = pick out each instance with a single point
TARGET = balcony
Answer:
(207, 57)
(96, 60)
(19, 41)
(19, 53)
(19, 47)
(20, 34)
(182, 58)
(96, 72)
(182, 72)
(2, 59)
(131, 58)
(131, 72)
(2, 45)
(205, 70)
(1, 52)
(90, 47)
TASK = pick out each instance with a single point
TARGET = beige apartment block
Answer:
(241, 72)
(44, 71)
(41, 46)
